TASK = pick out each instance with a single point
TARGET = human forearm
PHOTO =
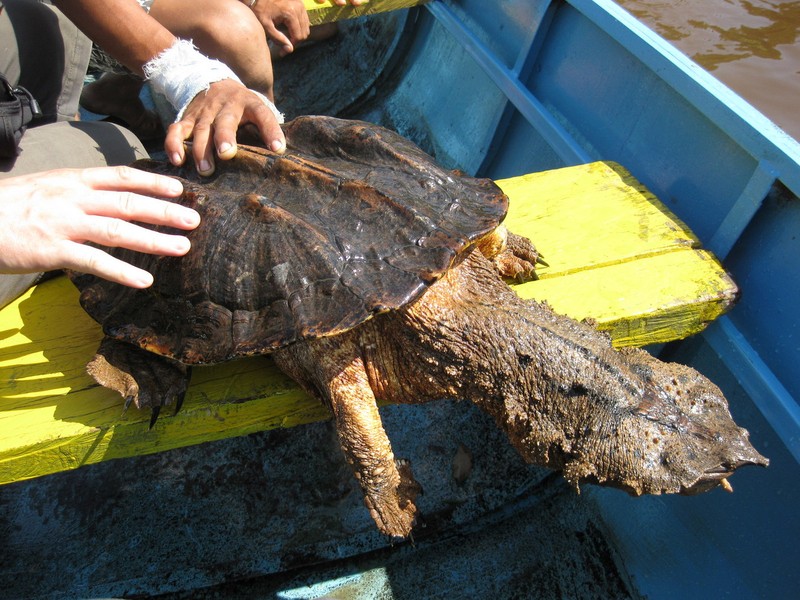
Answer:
(121, 28)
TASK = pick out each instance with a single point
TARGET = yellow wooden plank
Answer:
(54, 417)
(616, 255)
(326, 12)
(590, 216)
(686, 290)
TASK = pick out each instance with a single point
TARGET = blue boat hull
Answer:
(522, 86)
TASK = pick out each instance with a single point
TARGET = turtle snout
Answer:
(717, 475)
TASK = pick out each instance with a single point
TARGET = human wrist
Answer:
(181, 72)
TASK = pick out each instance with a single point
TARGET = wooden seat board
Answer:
(616, 254)
(326, 12)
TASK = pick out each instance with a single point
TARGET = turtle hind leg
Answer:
(142, 378)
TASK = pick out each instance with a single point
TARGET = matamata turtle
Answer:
(371, 274)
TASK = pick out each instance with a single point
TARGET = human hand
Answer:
(278, 16)
(47, 217)
(211, 120)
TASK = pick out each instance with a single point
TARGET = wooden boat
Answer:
(566, 90)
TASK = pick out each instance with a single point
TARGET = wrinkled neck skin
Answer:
(564, 396)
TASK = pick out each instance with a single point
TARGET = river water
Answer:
(753, 46)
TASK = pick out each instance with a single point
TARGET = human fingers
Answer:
(196, 124)
(128, 179)
(248, 107)
(202, 149)
(264, 119)
(88, 259)
(175, 141)
(295, 19)
(117, 197)
(118, 233)
(280, 38)
(136, 207)
(214, 117)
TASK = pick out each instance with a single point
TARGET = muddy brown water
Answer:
(753, 46)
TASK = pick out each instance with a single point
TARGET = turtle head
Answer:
(676, 436)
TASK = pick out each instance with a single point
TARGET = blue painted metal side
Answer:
(496, 88)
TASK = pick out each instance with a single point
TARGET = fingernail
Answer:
(142, 279)
(226, 150)
(175, 158)
(191, 217)
(278, 146)
(182, 245)
(175, 187)
(204, 168)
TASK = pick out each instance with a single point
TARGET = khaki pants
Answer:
(41, 50)
(44, 52)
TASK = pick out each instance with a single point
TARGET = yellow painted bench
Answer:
(615, 255)
(326, 12)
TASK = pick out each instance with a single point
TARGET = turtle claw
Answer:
(518, 261)
(181, 395)
(141, 378)
(179, 402)
(154, 415)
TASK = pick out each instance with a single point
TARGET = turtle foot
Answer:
(393, 508)
(519, 259)
(142, 378)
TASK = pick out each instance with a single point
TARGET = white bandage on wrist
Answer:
(181, 72)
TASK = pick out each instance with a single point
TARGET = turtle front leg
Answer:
(388, 485)
(514, 256)
(141, 377)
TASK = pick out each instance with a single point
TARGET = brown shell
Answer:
(352, 221)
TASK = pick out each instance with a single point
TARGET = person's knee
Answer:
(235, 36)
(232, 29)
(239, 22)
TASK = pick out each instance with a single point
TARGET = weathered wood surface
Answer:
(616, 255)
(326, 12)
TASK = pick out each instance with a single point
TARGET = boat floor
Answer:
(274, 514)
